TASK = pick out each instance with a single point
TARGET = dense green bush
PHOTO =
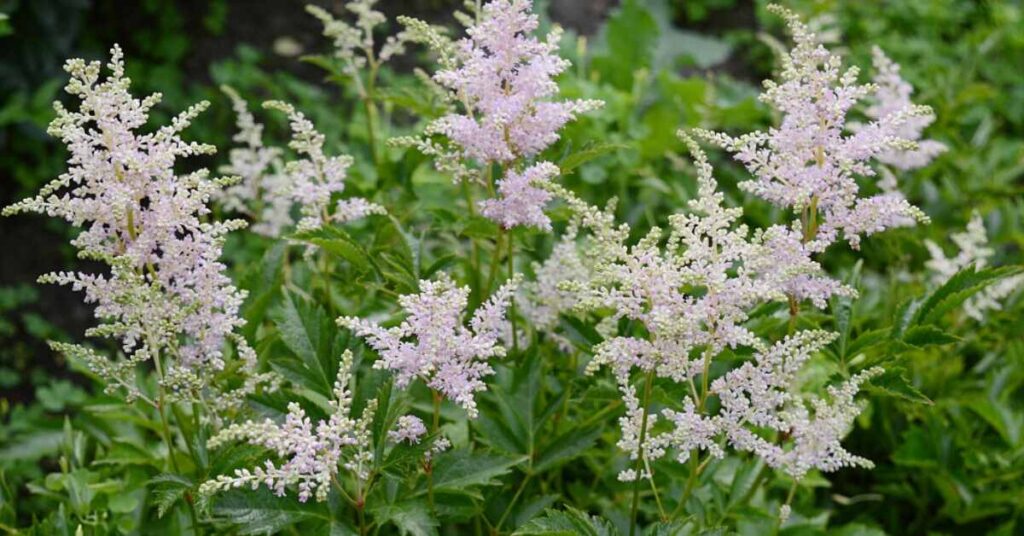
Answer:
(537, 447)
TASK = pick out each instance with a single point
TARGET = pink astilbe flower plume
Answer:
(811, 162)
(433, 343)
(504, 78)
(167, 297)
(692, 293)
(312, 455)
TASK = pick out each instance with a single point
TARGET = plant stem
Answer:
(166, 428)
(512, 302)
(429, 467)
(648, 384)
(508, 510)
(789, 500)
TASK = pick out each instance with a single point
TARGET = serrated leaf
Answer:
(566, 447)
(959, 288)
(261, 512)
(411, 517)
(460, 469)
(568, 522)
(167, 490)
(921, 336)
(894, 383)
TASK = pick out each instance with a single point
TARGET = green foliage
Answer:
(944, 423)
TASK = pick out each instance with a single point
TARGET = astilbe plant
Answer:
(451, 358)
(262, 193)
(692, 293)
(811, 162)
(166, 298)
(689, 320)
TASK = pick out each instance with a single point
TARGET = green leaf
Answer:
(308, 333)
(411, 517)
(928, 335)
(632, 35)
(959, 288)
(338, 243)
(566, 447)
(588, 152)
(166, 490)
(894, 383)
(460, 470)
(568, 522)
(868, 339)
(261, 512)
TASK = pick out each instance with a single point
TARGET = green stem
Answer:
(789, 501)
(508, 510)
(495, 261)
(512, 302)
(648, 384)
(429, 468)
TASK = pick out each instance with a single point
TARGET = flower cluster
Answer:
(409, 428)
(262, 192)
(505, 80)
(893, 97)
(316, 177)
(166, 297)
(543, 299)
(500, 84)
(450, 357)
(692, 296)
(313, 454)
(354, 43)
(522, 198)
(810, 162)
(974, 251)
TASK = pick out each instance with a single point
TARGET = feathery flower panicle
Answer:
(758, 395)
(313, 454)
(522, 201)
(692, 293)
(409, 428)
(167, 296)
(892, 97)
(434, 345)
(354, 43)
(504, 78)
(550, 294)
(810, 162)
(316, 177)
(974, 251)
(262, 192)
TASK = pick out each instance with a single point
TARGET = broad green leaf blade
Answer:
(261, 512)
(894, 383)
(568, 522)
(958, 289)
(460, 470)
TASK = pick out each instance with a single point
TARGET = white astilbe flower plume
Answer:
(810, 162)
(315, 177)
(167, 297)
(354, 43)
(434, 345)
(974, 251)
(311, 455)
(262, 192)
(692, 294)
(759, 396)
(893, 97)
(545, 298)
